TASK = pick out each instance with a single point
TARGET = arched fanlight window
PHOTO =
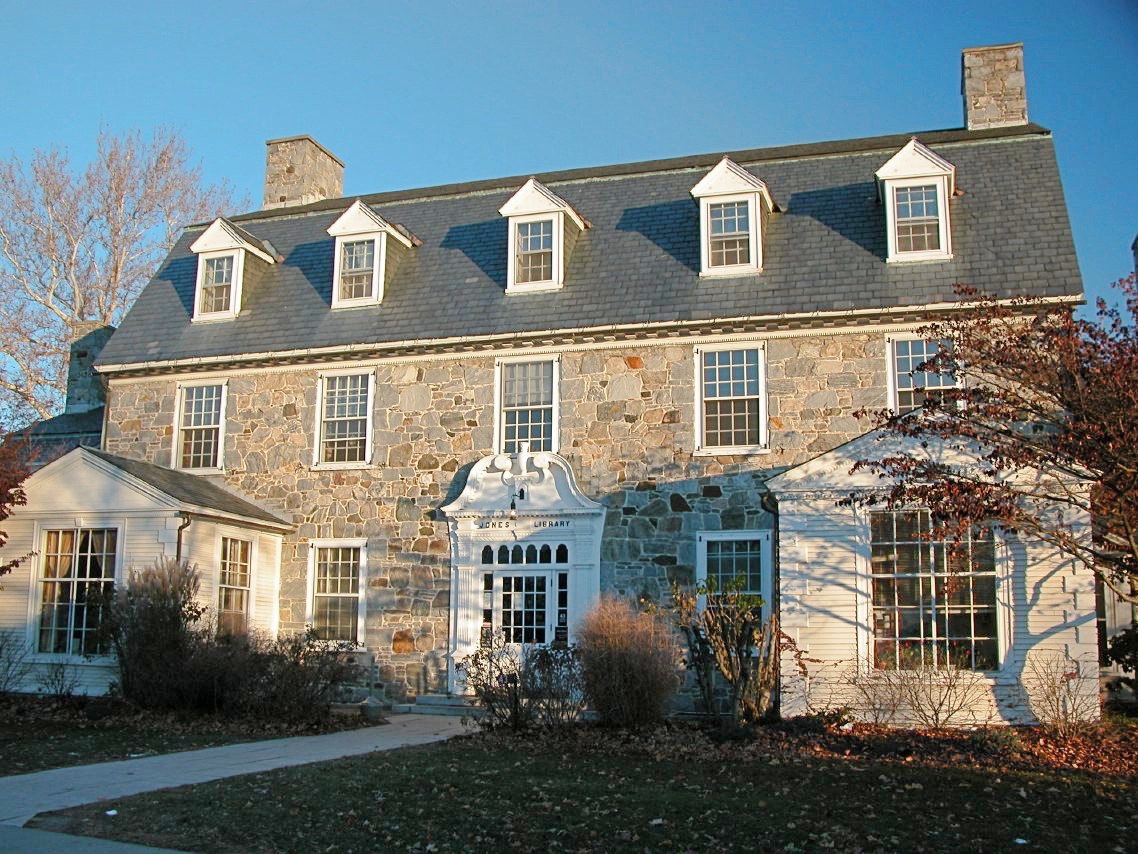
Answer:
(487, 554)
(516, 555)
(563, 553)
(531, 554)
(546, 555)
(503, 554)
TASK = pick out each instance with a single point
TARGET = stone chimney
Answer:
(84, 390)
(299, 170)
(993, 86)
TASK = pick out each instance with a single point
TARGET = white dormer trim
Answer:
(222, 239)
(729, 182)
(534, 202)
(360, 223)
(916, 165)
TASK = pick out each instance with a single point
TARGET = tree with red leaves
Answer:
(1045, 405)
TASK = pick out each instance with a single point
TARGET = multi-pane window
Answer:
(200, 427)
(934, 605)
(336, 593)
(917, 218)
(216, 285)
(527, 406)
(233, 587)
(913, 386)
(357, 269)
(344, 419)
(524, 608)
(534, 259)
(732, 398)
(730, 234)
(735, 562)
(75, 589)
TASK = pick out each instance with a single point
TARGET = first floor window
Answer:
(344, 417)
(730, 234)
(527, 406)
(199, 428)
(933, 605)
(913, 387)
(732, 391)
(524, 607)
(336, 593)
(233, 587)
(75, 589)
(741, 558)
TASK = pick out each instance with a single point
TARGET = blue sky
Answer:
(416, 94)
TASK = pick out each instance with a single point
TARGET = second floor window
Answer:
(731, 387)
(527, 406)
(534, 262)
(357, 270)
(344, 418)
(913, 387)
(199, 429)
(730, 234)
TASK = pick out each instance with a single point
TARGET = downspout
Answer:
(770, 504)
(186, 519)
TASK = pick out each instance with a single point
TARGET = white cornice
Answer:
(535, 198)
(222, 236)
(362, 219)
(727, 178)
(916, 160)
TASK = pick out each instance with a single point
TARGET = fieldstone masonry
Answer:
(626, 428)
(299, 170)
(993, 85)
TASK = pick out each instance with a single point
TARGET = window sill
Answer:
(342, 467)
(105, 660)
(534, 287)
(730, 272)
(741, 451)
(219, 317)
(349, 304)
(214, 470)
(919, 257)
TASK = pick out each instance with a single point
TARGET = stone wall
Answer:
(299, 170)
(626, 428)
(994, 87)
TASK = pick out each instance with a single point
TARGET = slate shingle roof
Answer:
(639, 263)
(188, 488)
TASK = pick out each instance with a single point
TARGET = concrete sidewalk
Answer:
(22, 796)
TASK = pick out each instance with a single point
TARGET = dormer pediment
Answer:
(224, 236)
(536, 198)
(916, 160)
(728, 178)
(362, 219)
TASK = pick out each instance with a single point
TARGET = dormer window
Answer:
(733, 205)
(543, 229)
(915, 186)
(367, 247)
(223, 251)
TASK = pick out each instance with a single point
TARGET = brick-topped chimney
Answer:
(993, 86)
(84, 390)
(299, 170)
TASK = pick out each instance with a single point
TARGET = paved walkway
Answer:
(24, 795)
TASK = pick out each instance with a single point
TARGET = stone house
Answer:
(415, 417)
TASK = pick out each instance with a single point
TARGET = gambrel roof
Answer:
(638, 265)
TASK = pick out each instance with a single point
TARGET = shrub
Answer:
(553, 680)
(1061, 693)
(950, 695)
(1123, 651)
(494, 673)
(15, 661)
(996, 741)
(629, 661)
(58, 680)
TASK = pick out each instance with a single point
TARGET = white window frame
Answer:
(891, 367)
(201, 316)
(558, 280)
(318, 433)
(766, 556)
(1005, 617)
(499, 390)
(37, 579)
(176, 461)
(379, 241)
(361, 610)
(250, 602)
(944, 253)
(755, 265)
(701, 449)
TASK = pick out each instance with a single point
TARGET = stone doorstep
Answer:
(371, 708)
(439, 704)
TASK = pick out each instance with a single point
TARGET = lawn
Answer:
(672, 790)
(37, 733)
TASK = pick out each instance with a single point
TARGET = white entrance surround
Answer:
(521, 526)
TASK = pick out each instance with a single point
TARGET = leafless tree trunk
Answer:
(78, 245)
